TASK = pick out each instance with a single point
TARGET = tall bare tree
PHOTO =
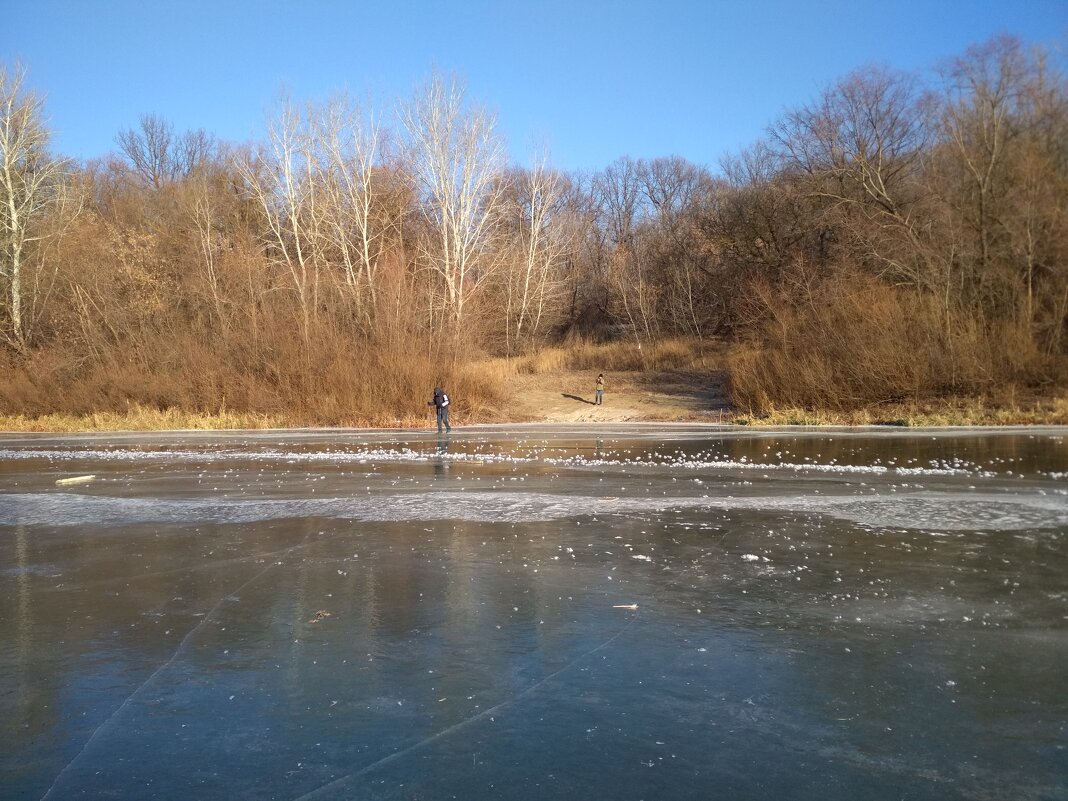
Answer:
(29, 187)
(618, 194)
(544, 238)
(983, 125)
(859, 152)
(157, 155)
(457, 159)
(676, 189)
(621, 201)
(349, 140)
(284, 182)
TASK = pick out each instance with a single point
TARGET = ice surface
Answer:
(648, 612)
(912, 510)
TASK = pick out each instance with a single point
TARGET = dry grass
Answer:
(669, 354)
(139, 418)
(275, 378)
(181, 384)
(932, 413)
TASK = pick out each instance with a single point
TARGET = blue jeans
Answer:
(443, 417)
(598, 394)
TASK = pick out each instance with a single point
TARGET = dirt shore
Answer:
(692, 396)
(565, 397)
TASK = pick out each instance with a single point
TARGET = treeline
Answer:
(892, 239)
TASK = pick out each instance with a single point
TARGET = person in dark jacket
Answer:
(441, 406)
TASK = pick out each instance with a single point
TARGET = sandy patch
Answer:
(567, 397)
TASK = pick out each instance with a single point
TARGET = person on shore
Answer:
(598, 393)
(440, 403)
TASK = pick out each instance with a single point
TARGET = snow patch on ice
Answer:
(700, 461)
(919, 510)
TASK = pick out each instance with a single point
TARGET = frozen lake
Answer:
(535, 612)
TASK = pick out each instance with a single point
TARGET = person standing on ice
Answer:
(598, 392)
(441, 406)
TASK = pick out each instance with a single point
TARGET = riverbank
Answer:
(681, 396)
(672, 381)
(567, 397)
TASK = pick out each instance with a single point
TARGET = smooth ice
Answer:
(658, 612)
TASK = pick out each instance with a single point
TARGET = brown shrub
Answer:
(855, 341)
(336, 377)
(628, 356)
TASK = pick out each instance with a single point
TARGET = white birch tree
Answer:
(29, 187)
(349, 140)
(457, 159)
(284, 183)
(545, 238)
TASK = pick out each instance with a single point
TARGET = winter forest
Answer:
(896, 237)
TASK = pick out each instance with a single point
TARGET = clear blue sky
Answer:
(595, 80)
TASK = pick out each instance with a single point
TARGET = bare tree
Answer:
(618, 194)
(1005, 169)
(349, 141)
(671, 185)
(29, 188)
(1032, 207)
(760, 223)
(205, 214)
(676, 189)
(456, 159)
(859, 152)
(980, 122)
(148, 149)
(193, 150)
(157, 156)
(544, 237)
(283, 181)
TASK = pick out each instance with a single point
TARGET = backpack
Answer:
(444, 399)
